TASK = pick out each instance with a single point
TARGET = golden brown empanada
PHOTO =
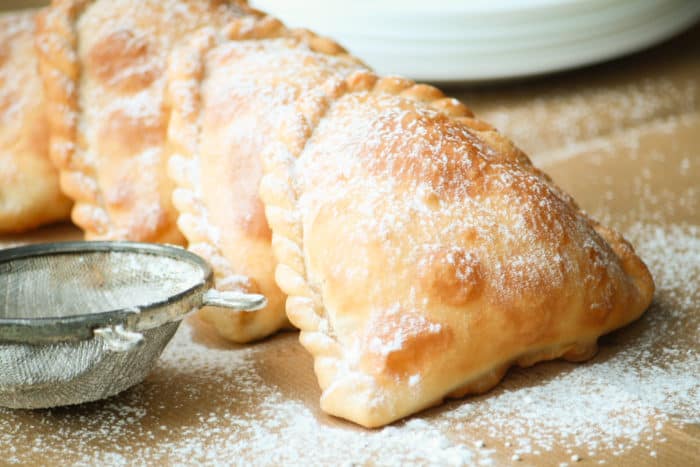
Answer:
(29, 191)
(104, 69)
(423, 254)
(219, 128)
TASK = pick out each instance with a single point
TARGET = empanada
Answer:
(423, 254)
(104, 69)
(29, 191)
(219, 128)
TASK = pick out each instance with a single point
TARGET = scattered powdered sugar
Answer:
(625, 396)
(545, 118)
(237, 405)
(218, 409)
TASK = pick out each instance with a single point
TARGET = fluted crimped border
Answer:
(59, 66)
(56, 45)
(186, 70)
(185, 73)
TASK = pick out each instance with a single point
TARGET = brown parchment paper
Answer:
(622, 137)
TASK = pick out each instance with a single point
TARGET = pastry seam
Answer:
(56, 44)
(186, 71)
(57, 49)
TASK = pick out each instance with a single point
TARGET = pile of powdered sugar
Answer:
(215, 405)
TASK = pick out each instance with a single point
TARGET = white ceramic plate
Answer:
(477, 40)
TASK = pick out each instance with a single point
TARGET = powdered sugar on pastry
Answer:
(230, 91)
(104, 64)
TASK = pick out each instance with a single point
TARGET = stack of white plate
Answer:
(473, 40)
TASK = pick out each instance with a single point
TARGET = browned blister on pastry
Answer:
(423, 254)
(104, 69)
(230, 91)
(29, 192)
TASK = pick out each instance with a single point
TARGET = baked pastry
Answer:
(423, 254)
(218, 130)
(104, 69)
(29, 191)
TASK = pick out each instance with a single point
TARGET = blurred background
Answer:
(478, 40)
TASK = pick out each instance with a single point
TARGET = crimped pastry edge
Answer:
(56, 44)
(185, 74)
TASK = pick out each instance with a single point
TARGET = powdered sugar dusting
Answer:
(428, 214)
(645, 376)
(243, 418)
(235, 405)
(236, 94)
(545, 119)
(122, 113)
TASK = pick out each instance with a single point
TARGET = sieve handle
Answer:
(238, 301)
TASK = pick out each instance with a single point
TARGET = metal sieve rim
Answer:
(81, 327)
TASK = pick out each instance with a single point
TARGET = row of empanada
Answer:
(421, 252)
(105, 68)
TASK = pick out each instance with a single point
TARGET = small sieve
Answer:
(81, 321)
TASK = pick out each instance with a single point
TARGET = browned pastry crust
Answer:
(29, 191)
(103, 64)
(218, 130)
(423, 254)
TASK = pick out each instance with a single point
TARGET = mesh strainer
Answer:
(82, 321)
